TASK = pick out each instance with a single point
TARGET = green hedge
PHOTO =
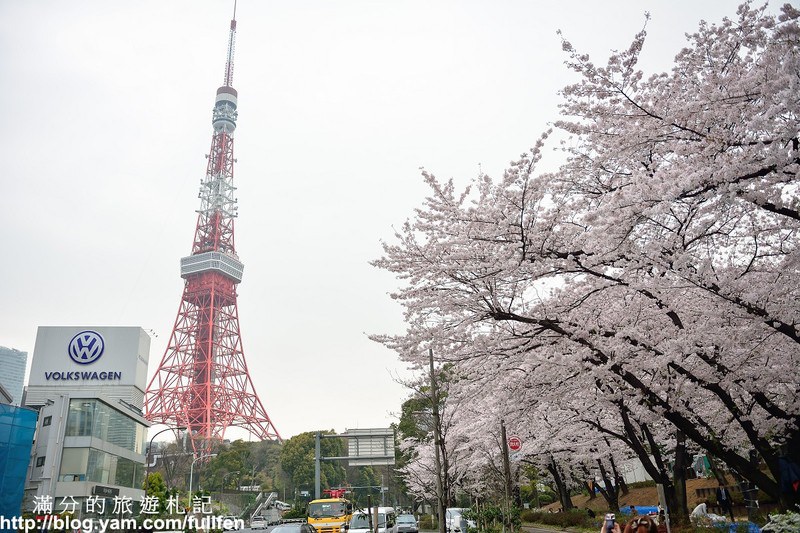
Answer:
(566, 519)
(427, 522)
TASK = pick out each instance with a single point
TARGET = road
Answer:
(526, 529)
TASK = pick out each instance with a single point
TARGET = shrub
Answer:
(427, 522)
(491, 514)
(567, 519)
(546, 498)
(783, 523)
(640, 484)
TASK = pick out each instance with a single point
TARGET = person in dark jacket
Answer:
(724, 501)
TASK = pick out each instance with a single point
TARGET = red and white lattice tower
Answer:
(202, 382)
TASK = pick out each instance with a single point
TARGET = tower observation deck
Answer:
(202, 382)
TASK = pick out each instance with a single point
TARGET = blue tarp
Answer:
(641, 509)
(734, 527)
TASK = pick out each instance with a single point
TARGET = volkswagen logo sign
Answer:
(86, 347)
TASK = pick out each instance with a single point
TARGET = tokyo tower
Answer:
(202, 383)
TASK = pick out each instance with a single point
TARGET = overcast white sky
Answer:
(107, 117)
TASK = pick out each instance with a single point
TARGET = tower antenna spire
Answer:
(231, 46)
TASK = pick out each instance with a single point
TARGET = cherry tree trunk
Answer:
(561, 487)
(680, 508)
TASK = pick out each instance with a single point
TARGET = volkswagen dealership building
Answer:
(88, 384)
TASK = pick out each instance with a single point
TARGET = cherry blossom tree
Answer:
(655, 276)
(418, 443)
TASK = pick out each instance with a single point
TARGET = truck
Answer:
(328, 515)
(456, 523)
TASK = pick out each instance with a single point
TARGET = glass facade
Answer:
(88, 464)
(17, 427)
(93, 418)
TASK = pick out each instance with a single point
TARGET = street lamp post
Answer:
(150, 447)
(191, 469)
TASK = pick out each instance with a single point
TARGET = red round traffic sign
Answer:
(514, 443)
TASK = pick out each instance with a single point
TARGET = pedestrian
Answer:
(724, 501)
(699, 515)
(662, 521)
(633, 511)
(613, 529)
(641, 524)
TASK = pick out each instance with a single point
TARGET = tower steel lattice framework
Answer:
(202, 382)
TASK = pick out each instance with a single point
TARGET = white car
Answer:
(387, 521)
(229, 523)
(258, 522)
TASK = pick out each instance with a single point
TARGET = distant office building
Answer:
(88, 384)
(13, 375)
(5, 396)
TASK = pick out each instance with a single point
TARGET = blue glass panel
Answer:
(17, 425)
(18, 453)
(8, 501)
(15, 483)
(25, 417)
(21, 434)
(6, 414)
(6, 411)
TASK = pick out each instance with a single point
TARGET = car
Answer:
(406, 523)
(258, 522)
(293, 527)
(230, 523)
(386, 521)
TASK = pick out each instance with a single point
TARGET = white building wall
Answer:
(633, 471)
(119, 373)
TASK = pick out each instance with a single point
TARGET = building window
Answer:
(40, 461)
(108, 468)
(73, 464)
(92, 418)
(80, 418)
(47, 420)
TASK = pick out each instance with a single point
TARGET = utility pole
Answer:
(436, 443)
(316, 466)
(369, 512)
